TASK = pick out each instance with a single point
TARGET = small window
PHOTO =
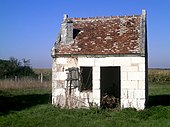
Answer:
(86, 78)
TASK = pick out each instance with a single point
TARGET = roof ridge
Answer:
(101, 17)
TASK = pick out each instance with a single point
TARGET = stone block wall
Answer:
(132, 84)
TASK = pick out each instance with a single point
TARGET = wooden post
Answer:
(41, 78)
(66, 101)
(15, 78)
(70, 87)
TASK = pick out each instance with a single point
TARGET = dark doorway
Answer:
(110, 82)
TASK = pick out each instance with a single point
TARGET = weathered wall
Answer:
(60, 93)
(132, 81)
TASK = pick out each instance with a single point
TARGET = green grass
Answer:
(32, 108)
(159, 93)
(48, 116)
(12, 100)
(159, 88)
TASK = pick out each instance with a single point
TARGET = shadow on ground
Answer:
(156, 100)
(18, 103)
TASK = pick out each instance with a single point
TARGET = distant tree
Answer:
(26, 62)
(15, 61)
(4, 68)
(13, 67)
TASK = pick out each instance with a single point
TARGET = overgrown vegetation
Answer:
(31, 106)
(46, 115)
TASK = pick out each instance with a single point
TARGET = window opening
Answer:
(86, 78)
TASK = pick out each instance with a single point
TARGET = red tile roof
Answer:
(104, 35)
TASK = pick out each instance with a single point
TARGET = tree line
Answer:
(14, 67)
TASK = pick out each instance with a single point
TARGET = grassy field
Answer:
(159, 75)
(31, 107)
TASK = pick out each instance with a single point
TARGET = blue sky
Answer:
(28, 28)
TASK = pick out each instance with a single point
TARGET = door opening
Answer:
(110, 86)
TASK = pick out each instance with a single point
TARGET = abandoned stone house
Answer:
(98, 57)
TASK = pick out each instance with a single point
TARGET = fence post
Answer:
(41, 77)
(16, 78)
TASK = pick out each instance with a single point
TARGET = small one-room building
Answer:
(98, 57)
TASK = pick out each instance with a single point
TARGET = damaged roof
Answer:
(104, 35)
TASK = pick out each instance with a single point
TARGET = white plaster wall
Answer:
(132, 78)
